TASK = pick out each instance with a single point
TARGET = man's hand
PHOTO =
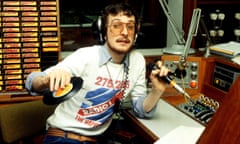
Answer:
(162, 71)
(54, 80)
(58, 79)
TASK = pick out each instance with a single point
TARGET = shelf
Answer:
(29, 40)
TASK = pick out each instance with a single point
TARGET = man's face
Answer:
(120, 33)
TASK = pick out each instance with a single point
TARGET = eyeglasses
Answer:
(117, 27)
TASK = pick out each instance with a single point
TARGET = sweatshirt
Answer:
(90, 110)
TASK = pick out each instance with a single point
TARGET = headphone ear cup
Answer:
(135, 38)
(97, 28)
(100, 27)
(137, 34)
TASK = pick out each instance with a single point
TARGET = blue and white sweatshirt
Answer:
(90, 110)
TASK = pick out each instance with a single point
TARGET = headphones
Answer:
(99, 30)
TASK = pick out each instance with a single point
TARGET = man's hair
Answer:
(114, 9)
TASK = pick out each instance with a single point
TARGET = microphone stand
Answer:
(204, 31)
(180, 71)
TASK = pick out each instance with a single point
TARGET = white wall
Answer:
(176, 7)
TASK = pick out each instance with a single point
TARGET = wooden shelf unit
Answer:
(29, 40)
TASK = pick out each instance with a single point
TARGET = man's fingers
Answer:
(58, 79)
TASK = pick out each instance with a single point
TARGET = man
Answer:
(112, 73)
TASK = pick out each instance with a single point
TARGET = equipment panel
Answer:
(224, 76)
(191, 76)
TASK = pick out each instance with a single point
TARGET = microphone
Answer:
(169, 78)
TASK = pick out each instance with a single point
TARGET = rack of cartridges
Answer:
(29, 40)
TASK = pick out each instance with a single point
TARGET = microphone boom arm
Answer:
(192, 32)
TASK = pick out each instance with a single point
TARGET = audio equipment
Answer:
(221, 22)
(191, 77)
(224, 76)
(203, 109)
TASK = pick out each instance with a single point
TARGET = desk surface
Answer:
(166, 119)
